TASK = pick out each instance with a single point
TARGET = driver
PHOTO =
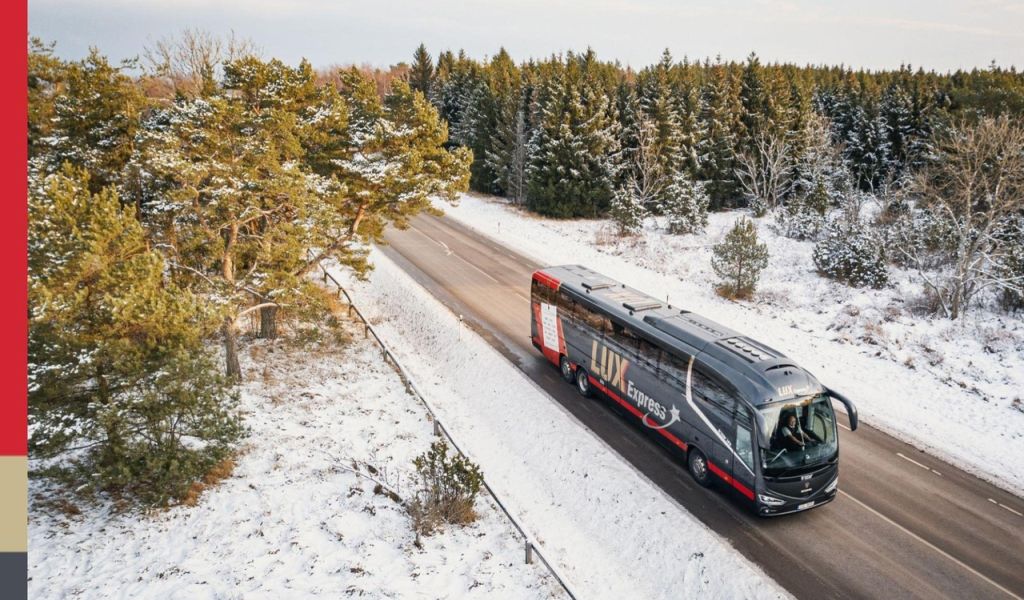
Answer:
(792, 436)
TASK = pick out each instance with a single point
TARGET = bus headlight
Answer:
(770, 500)
(832, 486)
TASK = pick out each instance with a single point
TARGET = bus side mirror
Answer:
(851, 408)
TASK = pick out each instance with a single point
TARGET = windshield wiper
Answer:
(781, 452)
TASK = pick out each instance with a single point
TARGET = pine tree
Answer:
(658, 93)
(851, 254)
(94, 120)
(689, 107)
(45, 78)
(500, 163)
(421, 74)
(627, 209)
(718, 148)
(116, 354)
(686, 205)
(574, 149)
(739, 259)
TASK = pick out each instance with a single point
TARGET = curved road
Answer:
(905, 524)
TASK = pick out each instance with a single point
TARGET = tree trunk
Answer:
(230, 331)
(268, 322)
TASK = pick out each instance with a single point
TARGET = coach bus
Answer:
(733, 409)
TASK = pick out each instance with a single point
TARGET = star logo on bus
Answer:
(673, 417)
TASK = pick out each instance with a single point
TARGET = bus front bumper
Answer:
(785, 505)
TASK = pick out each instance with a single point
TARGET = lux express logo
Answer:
(609, 366)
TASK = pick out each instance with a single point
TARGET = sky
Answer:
(875, 34)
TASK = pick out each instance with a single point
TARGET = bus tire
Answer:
(697, 464)
(566, 368)
(583, 383)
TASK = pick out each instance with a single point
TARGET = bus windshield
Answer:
(803, 435)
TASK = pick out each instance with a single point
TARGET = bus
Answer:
(732, 409)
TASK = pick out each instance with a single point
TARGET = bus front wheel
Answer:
(566, 368)
(583, 383)
(698, 466)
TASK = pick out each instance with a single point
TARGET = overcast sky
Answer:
(935, 34)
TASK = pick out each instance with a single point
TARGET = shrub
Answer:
(448, 486)
(739, 260)
(850, 254)
(686, 205)
(803, 217)
(627, 211)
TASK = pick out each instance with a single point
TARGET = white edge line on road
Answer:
(925, 467)
(844, 426)
(1013, 510)
(932, 546)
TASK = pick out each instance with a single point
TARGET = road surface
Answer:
(905, 524)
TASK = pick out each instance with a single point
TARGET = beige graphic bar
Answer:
(13, 504)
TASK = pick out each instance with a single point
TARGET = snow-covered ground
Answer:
(291, 522)
(612, 532)
(951, 388)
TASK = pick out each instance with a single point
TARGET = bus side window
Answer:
(713, 398)
(675, 367)
(649, 353)
(592, 319)
(543, 293)
(566, 308)
(744, 443)
(625, 337)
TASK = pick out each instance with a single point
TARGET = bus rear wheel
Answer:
(566, 368)
(698, 467)
(583, 383)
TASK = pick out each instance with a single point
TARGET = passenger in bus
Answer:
(793, 437)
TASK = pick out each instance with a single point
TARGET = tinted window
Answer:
(713, 396)
(675, 367)
(649, 353)
(599, 323)
(566, 306)
(542, 293)
(625, 337)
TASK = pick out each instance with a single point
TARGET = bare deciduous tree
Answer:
(975, 185)
(189, 62)
(766, 173)
(647, 178)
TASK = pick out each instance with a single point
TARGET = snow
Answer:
(611, 532)
(953, 389)
(291, 522)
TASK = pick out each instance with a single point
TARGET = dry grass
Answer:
(218, 473)
(873, 333)
(729, 292)
(428, 518)
(605, 236)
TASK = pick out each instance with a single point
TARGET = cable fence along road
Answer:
(531, 548)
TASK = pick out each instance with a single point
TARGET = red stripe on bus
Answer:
(546, 279)
(632, 409)
(729, 479)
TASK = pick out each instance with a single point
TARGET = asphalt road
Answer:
(905, 524)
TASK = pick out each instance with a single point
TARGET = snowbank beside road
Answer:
(612, 532)
(291, 522)
(948, 388)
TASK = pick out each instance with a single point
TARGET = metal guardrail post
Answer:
(529, 553)
(437, 427)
